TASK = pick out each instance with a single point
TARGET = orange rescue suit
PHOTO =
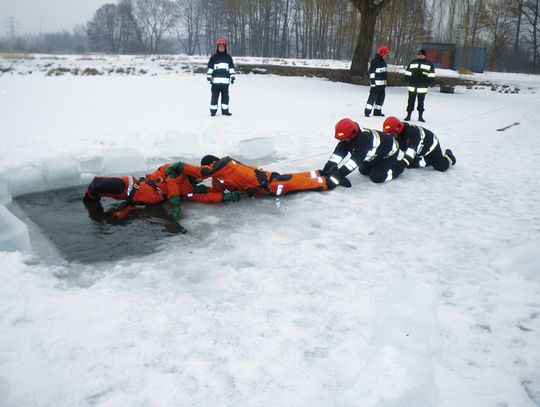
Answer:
(232, 175)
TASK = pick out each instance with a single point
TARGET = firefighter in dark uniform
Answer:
(420, 74)
(420, 146)
(377, 80)
(220, 75)
(375, 152)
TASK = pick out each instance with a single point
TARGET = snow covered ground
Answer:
(423, 291)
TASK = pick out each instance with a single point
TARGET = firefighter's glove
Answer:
(231, 196)
(175, 170)
(327, 169)
(232, 80)
(344, 182)
(209, 79)
(175, 205)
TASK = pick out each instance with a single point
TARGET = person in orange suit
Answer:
(170, 182)
(232, 175)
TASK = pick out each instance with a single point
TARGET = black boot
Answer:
(378, 113)
(421, 117)
(408, 117)
(448, 154)
(225, 112)
(213, 112)
(367, 112)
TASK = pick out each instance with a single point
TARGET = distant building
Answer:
(449, 56)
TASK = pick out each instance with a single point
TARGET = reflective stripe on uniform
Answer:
(380, 70)
(413, 66)
(210, 71)
(417, 90)
(221, 81)
(435, 144)
(336, 158)
(376, 143)
(368, 106)
(131, 182)
(372, 75)
(380, 83)
(221, 65)
(425, 67)
(224, 106)
(313, 174)
(351, 165)
(395, 148)
(389, 176)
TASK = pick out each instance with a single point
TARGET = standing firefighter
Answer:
(420, 74)
(377, 80)
(420, 146)
(220, 75)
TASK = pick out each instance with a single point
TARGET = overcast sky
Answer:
(31, 16)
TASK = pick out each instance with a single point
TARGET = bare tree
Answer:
(151, 19)
(105, 30)
(369, 10)
(189, 24)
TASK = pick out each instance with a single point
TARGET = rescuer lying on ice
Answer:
(170, 182)
(229, 174)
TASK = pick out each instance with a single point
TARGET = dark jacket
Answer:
(378, 74)
(369, 146)
(416, 141)
(420, 73)
(220, 69)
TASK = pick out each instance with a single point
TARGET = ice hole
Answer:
(90, 234)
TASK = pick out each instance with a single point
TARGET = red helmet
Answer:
(221, 41)
(346, 128)
(383, 50)
(391, 124)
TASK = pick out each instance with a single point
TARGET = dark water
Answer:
(91, 234)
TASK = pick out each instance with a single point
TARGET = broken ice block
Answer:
(92, 165)
(13, 232)
(256, 147)
(120, 161)
(5, 193)
(182, 144)
(27, 179)
(61, 172)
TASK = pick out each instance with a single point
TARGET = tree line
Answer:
(321, 29)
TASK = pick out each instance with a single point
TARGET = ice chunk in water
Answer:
(120, 161)
(27, 179)
(61, 172)
(13, 232)
(256, 147)
(5, 193)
